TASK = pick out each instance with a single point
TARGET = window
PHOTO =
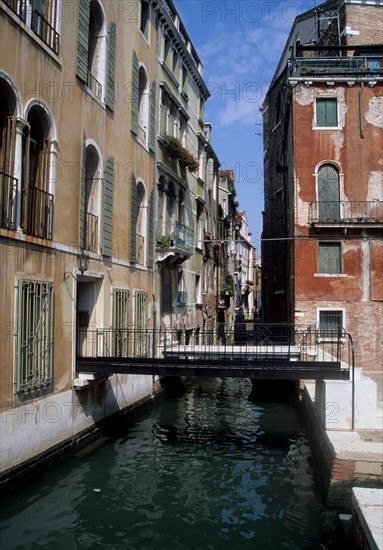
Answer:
(330, 320)
(330, 261)
(37, 202)
(328, 193)
(42, 16)
(96, 51)
(138, 221)
(34, 338)
(143, 106)
(144, 18)
(140, 323)
(326, 112)
(120, 322)
(8, 184)
(92, 198)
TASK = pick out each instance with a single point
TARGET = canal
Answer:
(212, 469)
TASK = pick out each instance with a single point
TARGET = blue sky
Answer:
(240, 43)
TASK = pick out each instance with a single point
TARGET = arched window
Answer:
(37, 202)
(93, 176)
(328, 192)
(96, 49)
(8, 183)
(141, 223)
(170, 214)
(143, 106)
(181, 207)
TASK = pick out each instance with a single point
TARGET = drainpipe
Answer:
(361, 110)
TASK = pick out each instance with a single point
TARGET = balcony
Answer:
(95, 86)
(317, 66)
(346, 213)
(91, 233)
(45, 31)
(175, 240)
(8, 205)
(38, 218)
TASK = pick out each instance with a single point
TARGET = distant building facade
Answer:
(322, 254)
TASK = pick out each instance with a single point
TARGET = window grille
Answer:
(34, 338)
(140, 323)
(330, 320)
(121, 298)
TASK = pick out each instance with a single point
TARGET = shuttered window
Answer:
(150, 240)
(82, 208)
(330, 260)
(326, 112)
(110, 83)
(153, 129)
(34, 338)
(328, 193)
(83, 39)
(107, 226)
(133, 219)
(8, 184)
(135, 94)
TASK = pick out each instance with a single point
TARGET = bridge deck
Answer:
(161, 354)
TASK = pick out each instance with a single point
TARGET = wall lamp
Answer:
(82, 265)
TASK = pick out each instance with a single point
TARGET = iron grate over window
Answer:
(330, 321)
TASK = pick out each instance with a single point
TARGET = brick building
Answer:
(322, 255)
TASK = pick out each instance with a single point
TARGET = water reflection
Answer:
(209, 470)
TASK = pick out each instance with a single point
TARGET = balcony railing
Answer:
(176, 235)
(39, 213)
(38, 23)
(346, 212)
(91, 232)
(95, 86)
(8, 201)
(243, 345)
(303, 66)
(140, 250)
(45, 31)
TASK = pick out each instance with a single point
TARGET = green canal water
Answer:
(210, 470)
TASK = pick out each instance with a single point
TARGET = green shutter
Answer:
(82, 215)
(150, 230)
(110, 92)
(83, 39)
(107, 205)
(135, 93)
(332, 112)
(133, 220)
(152, 130)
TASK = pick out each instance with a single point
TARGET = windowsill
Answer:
(146, 40)
(31, 34)
(336, 275)
(327, 128)
(89, 92)
(143, 145)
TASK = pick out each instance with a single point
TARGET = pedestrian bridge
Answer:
(251, 350)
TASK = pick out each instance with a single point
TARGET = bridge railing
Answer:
(266, 342)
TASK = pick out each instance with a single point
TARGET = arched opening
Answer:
(92, 198)
(181, 207)
(8, 184)
(96, 49)
(141, 223)
(328, 192)
(143, 106)
(37, 202)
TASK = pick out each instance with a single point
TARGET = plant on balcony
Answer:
(163, 241)
(176, 151)
(228, 285)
